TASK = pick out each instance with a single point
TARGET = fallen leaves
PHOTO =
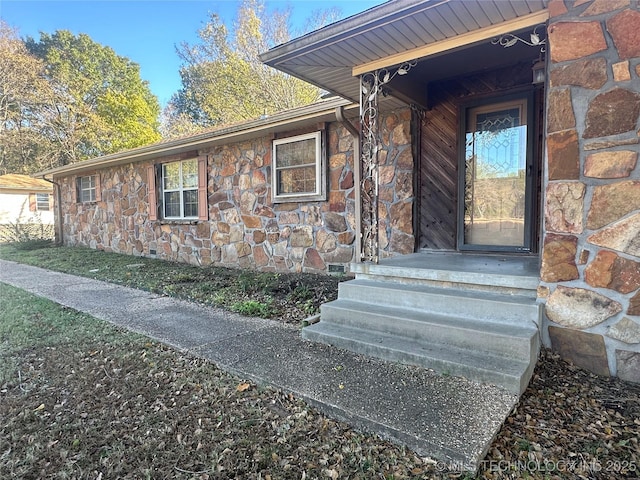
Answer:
(164, 411)
(243, 387)
(333, 474)
(572, 424)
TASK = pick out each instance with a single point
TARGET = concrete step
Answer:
(474, 316)
(458, 302)
(509, 341)
(468, 271)
(507, 373)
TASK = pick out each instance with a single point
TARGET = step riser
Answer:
(510, 382)
(501, 345)
(476, 279)
(442, 303)
(529, 290)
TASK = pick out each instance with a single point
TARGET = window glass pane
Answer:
(88, 196)
(190, 203)
(171, 176)
(302, 152)
(87, 191)
(498, 143)
(172, 204)
(190, 174)
(297, 180)
(87, 182)
(180, 183)
(42, 201)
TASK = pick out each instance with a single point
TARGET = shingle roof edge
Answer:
(278, 122)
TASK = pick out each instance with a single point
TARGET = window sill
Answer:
(301, 199)
(165, 221)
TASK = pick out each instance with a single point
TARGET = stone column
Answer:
(591, 248)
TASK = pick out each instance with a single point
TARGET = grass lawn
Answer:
(83, 399)
(286, 297)
(80, 399)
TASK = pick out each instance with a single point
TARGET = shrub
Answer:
(252, 308)
(32, 244)
(27, 231)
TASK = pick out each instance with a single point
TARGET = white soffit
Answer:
(394, 32)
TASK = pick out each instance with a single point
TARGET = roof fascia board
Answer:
(7, 189)
(454, 42)
(248, 129)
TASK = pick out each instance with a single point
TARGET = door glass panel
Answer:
(495, 175)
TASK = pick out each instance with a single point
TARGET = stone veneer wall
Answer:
(591, 254)
(395, 192)
(245, 229)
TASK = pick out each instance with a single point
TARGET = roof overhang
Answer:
(23, 183)
(289, 120)
(22, 190)
(399, 31)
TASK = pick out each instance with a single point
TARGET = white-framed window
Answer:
(298, 168)
(86, 187)
(42, 202)
(180, 189)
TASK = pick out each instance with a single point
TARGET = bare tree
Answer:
(223, 79)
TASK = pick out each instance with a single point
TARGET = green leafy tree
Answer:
(23, 95)
(223, 79)
(97, 104)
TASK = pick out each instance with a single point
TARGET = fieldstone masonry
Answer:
(590, 271)
(591, 251)
(245, 228)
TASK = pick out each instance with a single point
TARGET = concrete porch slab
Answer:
(446, 418)
(507, 271)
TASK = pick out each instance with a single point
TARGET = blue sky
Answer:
(146, 31)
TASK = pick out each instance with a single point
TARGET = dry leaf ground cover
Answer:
(80, 398)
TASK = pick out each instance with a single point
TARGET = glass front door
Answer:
(495, 178)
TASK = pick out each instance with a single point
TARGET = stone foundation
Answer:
(591, 254)
(245, 228)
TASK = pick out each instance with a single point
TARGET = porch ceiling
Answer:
(402, 30)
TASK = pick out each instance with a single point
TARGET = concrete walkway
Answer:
(445, 418)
